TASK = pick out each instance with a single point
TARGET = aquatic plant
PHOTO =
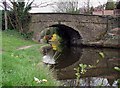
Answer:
(77, 75)
(102, 54)
(81, 69)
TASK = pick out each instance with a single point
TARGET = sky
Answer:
(39, 7)
(93, 3)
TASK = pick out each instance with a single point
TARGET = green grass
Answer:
(19, 67)
(12, 40)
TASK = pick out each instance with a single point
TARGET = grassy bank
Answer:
(19, 67)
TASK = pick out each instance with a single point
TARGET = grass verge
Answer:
(19, 67)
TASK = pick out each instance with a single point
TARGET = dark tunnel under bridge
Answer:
(68, 34)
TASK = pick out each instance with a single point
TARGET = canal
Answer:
(75, 64)
(100, 66)
(103, 71)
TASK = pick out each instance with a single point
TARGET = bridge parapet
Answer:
(53, 17)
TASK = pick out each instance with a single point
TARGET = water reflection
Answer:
(70, 58)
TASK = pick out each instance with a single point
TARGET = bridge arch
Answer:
(69, 34)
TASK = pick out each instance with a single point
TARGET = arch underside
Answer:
(69, 35)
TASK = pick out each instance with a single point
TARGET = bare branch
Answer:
(67, 7)
(43, 4)
(46, 5)
(2, 6)
(27, 2)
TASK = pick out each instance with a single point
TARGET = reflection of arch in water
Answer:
(69, 56)
(90, 56)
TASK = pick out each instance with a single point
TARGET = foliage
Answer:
(19, 67)
(102, 54)
(19, 16)
(77, 75)
(10, 27)
(55, 42)
(0, 59)
(50, 36)
(68, 6)
(28, 35)
(81, 69)
(91, 10)
(110, 5)
(118, 5)
(118, 69)
(48, 31)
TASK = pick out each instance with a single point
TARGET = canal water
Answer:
(101, 60)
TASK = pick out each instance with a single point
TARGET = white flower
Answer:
(44, 80)
(37, 80)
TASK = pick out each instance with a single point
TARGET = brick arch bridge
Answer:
(91, 28)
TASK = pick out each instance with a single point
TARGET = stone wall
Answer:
(90, 27)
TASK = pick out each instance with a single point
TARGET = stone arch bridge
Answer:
(90, 28)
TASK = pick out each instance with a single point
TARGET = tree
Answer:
(69, 6)
(91, 10)
(118, 5)
(19, 15)
(110, 5)
(5, 14)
